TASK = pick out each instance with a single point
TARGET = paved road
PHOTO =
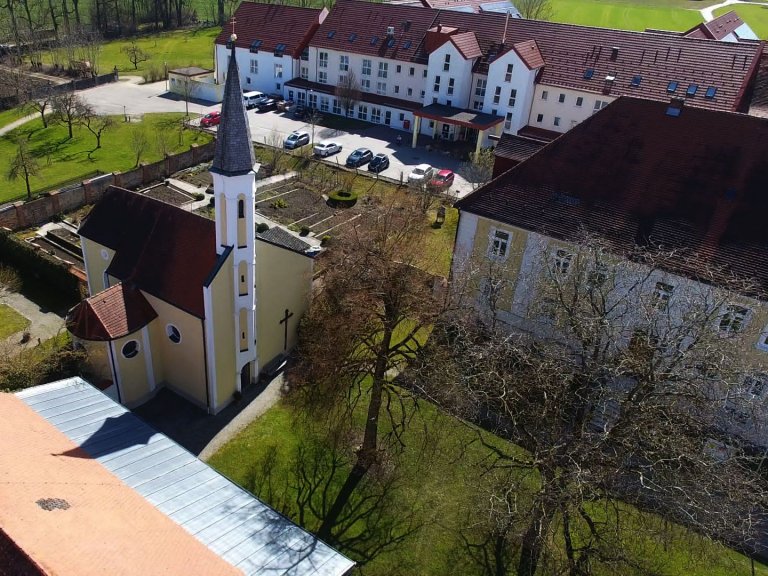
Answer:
(126, 97)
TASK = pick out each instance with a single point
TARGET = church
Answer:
(188, 303)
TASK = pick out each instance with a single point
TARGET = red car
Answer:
(443, 179)
(211, 119)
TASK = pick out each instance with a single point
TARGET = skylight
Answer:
(332, 33)
(279, 49)
(672, 86)
(711, 91)
(390, 42)
(636, 80)
(255, 45)
(588, 73)
(406, 44)
(692, 89)
(374, 40)
(673, 111)
(352, 37)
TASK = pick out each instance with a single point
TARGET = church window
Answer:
(243, 330)
(242, 241)
(130, 349)
(240, 209)
(173, 333)
(242, 271)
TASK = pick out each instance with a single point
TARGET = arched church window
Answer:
(130, 349)
(240, 209)
(173, 333)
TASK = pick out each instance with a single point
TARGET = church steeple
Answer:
(234, 148)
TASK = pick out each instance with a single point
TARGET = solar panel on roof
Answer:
(636, 81)
(692, 89)
(332, 33)
(672, 86)
(352, 37)
(406, 44)
(711, 91)
(374, 40)
(588, 73)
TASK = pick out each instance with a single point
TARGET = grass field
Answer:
(755, 16)
(8, 116)
(440, 480)
(10, 321)
(63, 160)
(670, 15)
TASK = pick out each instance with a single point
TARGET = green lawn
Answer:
(755, 16)
(439, 479)
(671, 15)
(8, 116)
(11, 321)
(63, 160)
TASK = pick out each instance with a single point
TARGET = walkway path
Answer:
(708, 12)
(16, 123)
(43, 324)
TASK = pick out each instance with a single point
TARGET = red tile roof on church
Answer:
(163, 250)
(576, 57)
(716, 29)
(111, 314)
(696, 182)
(273, 24)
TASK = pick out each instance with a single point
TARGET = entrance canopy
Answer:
(458, 117)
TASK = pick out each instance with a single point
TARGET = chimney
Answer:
(675, 107)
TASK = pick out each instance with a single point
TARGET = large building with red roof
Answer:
(463, 75)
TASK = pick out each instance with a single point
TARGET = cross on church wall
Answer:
(285, 321)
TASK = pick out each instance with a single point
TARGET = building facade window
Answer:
(130, 349)
(254, 66)
(561, 98)
(498, 246)
(451, 83)
(477, 105)
(733, 319)
(343, 63)
(436, 87)
(410, 91)
(556, 121)
(508, 75)
(398, 69)
(366, 67)
(447, 63)
(304, 72)
(579, 101)
(412, 71)
(383, 68)
(480, 87)
(599, 105)
(336, 106)
(540, 118)
(512, 98)
(381, 88)
(544, 95)
(323, 104)
(365, 85)
(278, 70)
(323, 60)
(662, 294)
(322, 77)
(508, 121)
(376, 115)
(497, 95)
(561, 262)
(362, 112)
(397, 88)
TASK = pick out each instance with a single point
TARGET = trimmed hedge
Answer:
(342, 199)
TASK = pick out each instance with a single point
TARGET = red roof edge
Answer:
(748, 79)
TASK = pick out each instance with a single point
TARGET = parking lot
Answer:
(134, 99)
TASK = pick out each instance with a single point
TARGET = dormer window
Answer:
(279, 50)
(672, 86)
(255, 46)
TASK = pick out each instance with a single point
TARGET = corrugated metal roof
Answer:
(229, 520)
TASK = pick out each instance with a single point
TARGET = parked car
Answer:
(443, 179)
(324, 149)
(211, 119)
(253, 99)
(359, 157)
(378, 163)
(296, 139)
(276, 96)
(268, 104)
(421, 174)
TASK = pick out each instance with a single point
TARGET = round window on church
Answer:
(173, 333)
(104, 254)
(130, 349)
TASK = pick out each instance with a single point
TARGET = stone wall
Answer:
(21, 215)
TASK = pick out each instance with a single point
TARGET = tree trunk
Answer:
(222, 14)
(134, 21)
(25, 3)
(26, 180)
(534, 537)
(53, 19)
(42, 117)
(65, 15)
(69, 126)
(76, 5)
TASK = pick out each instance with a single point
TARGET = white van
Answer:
(253, 99)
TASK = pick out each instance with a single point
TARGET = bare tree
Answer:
(348, 92)
(67, 109)
(139, 144)
(40, 99)
(364, 325)
(618, 393)
(95, 123)
(479, 169)
(275, 152)
(135, 54)
(23, 165)
(535, 9)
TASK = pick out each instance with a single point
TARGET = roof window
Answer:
(672, 86)
(636, 81)
(711, 91)
(491, 55)
(406, 45)
(352, 37)
(588, 73)
(332, 33)
(692, 89)
(391, 42)
(374, 40)
(255, 45)
(279, 49)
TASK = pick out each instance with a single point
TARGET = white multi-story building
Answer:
(458, 75)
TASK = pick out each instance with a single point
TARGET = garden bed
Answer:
(167, 195)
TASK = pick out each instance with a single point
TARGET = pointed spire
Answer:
(234, 148)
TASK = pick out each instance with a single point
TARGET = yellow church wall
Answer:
(224, 344)
(283, 280)
(96, 263)
(132, 372)
(180, 366)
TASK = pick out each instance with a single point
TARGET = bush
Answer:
(304, 231)
(279, 203)
(325, 240)
(212, 201)
(262, 227)
(200, 196)
(342, 198)
(154, 73)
